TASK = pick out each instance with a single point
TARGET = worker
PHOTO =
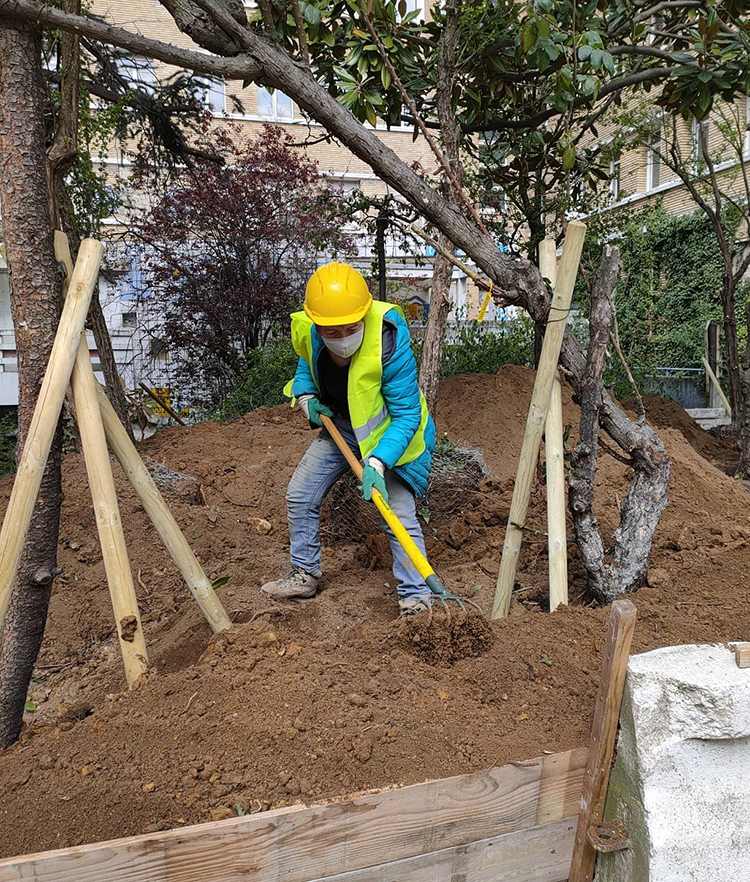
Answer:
(356, 366)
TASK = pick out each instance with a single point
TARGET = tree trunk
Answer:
(744, 424)
(60, 156)
(624, 569)
(442, 273)
(381, 226)
(731, 345)
(434, 334)
(35, 304)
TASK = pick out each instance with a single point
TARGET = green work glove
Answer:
(373, 477)
(313, 408)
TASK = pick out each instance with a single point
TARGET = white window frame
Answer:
(133, 68)
(614, 178)
(210, 89)
(653, 162)
(747, 125)
(700, 132)
(274, 105)
(411, 5)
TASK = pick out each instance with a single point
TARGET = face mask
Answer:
(345, 347)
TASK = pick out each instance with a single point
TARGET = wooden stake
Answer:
(717, 386)
(603, 733)
(104, 498)
(161, 517)
(46, 414)
(537, 417)
(108, 521)
(557, 541)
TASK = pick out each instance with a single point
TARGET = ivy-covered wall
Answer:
(670, 287)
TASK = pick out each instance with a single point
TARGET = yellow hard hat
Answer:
(337, 295)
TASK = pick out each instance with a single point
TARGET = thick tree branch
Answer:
(236, 68)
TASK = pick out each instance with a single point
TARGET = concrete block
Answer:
(681, 780)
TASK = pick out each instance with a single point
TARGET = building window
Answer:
(129, 319)
(404, 7)
(139, 72)
(214, 95)
(653, 162)
(699, 142)
(614, 179)
(747, 124)
(493, 201)
(158, 349)
(274, 105)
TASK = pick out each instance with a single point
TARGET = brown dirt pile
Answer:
(663, 413)
(304, 702)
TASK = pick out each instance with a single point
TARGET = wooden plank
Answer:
(540, 398)
(538, 854)
(603, 733)
(298, 844)
(742, 655)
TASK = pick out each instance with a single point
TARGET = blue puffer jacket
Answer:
(401, 392)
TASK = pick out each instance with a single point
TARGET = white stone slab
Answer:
(681, 782)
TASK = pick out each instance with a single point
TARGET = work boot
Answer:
(296, 585)
(410, 606)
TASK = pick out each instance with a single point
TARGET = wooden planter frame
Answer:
(515, 823)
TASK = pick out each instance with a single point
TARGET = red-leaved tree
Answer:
(226, 254)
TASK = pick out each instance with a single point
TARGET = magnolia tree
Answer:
(227, 253)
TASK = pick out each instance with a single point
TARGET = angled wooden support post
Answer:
(161, 517)
(717, 385)
(104, 498)
(540, 398)
(108, 521)
(46, 414)
(557, 541)
(603, 733)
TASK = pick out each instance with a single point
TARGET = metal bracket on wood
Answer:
(607, 836)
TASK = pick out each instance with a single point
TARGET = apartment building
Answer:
(639, 174)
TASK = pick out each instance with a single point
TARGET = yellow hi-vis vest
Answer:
(368, 410)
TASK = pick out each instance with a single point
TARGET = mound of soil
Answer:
(663, 413)
(312, 701)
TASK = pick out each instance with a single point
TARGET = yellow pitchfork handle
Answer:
(485, 304)
(389, 516)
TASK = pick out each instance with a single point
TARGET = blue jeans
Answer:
(317, 472)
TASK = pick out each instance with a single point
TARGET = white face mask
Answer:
(345, 347)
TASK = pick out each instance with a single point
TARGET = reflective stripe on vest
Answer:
(368, 410)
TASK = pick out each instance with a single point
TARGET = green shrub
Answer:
(477, 349)
(263, 383)
(8, 435)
